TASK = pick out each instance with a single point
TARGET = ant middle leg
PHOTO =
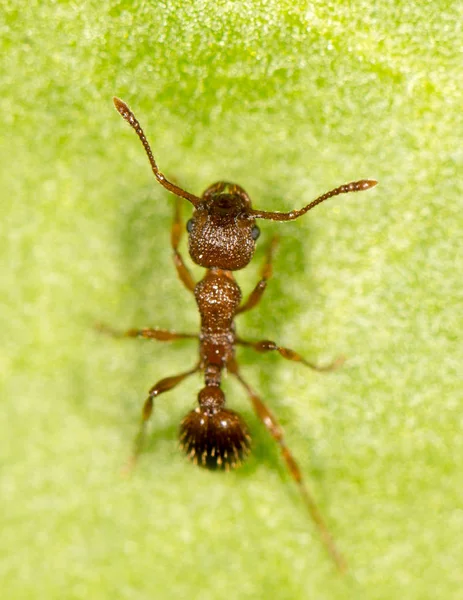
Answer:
(275, 430)
(163, 385)
(176, 234)
(152, 333)
(257, 293)
(268, 346)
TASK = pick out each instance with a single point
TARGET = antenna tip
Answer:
(366, 184)
(120, 105)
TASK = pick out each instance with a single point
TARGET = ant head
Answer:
(212, 436)
(222, 232)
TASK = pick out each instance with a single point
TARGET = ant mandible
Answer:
(222, 235)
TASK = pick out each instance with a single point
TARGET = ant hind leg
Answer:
(275, 430)
(163, 385)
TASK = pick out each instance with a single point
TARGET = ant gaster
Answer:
(222, 238)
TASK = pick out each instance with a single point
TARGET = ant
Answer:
(222, 236)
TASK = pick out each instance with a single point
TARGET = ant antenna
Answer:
(354, 186)
(128, 115)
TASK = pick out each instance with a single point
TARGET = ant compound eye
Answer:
(189, 225)
(255, 232)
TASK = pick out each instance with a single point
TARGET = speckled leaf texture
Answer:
(288, 99)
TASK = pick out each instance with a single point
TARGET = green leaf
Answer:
(288, 101)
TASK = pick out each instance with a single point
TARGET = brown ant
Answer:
(222, 238)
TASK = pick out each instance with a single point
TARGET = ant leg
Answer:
(267, 346)
(162, 335)
(164, 385)
(276, 432)
(176, 234)
(257, 293)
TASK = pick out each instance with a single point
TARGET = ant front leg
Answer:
(176, 234)
(164, 385)
(268, 346)
(275, 430)
(257, 293)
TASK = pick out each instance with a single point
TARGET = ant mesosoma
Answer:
(222, 235)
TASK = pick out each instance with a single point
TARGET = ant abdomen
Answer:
(215, 440)
(212, 436)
